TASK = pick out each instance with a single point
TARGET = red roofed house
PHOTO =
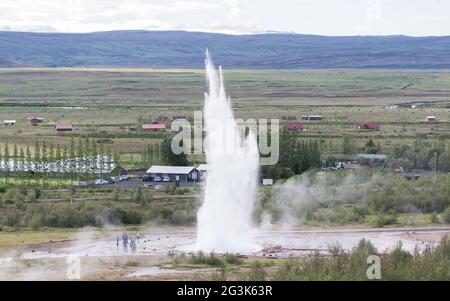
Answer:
(295, 126)
(155, 126)
(167, 122)
(35, 120)
(431, 119)
(375, 126)
(63, 127)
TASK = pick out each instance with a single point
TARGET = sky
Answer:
(323, 17)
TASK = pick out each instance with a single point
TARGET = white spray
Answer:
(225, 217)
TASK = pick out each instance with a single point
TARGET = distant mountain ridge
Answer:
(186, 50)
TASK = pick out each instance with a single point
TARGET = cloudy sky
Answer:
(325, 17)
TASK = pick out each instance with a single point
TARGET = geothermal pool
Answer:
(272, 244)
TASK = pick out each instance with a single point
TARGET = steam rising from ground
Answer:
(289, 203)
(225, 217)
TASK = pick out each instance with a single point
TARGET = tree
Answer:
(22, 160)
(169, 157)
(371, 147)
(348, 145)
(15, 157)
(28, 159)
(58, 163)
(137, 194)
(6, 157)
(288, 150)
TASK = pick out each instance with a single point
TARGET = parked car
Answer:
(80, 184)
(101, 182)
(123, 178)
(146, 178)
(159, 187)
(156, 179)
(148, 185)
(166, 179)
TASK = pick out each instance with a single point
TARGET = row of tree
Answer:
(81, 159)
(296, 156)
(423, 155)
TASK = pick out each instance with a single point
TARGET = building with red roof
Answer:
(374, 126)
(63, 127)
(155, 126)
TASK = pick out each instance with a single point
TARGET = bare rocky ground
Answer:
(102, 259)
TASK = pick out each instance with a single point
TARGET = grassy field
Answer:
(105, 102)
(18, 238)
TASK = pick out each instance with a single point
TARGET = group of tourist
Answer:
(128, 241)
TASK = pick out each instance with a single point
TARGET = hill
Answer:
(186, 49)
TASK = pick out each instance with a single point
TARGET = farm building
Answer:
(35, 120)
(295, 126)
(375, 126)
(203, 170)
(431, 119)
(182, 173)
(63, 127)
(312, 117)
(167, 122)
(155, 126)
(9, 122)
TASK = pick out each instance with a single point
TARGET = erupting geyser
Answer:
(225, 217)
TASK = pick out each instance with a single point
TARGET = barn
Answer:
(9, 122)
(153, 127)
(63, 127)
(173, 173)
(374, 126)
(431, 119)
(35, 120)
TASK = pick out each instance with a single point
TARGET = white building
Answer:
(203, 170)
(173, 173)
(9, 122)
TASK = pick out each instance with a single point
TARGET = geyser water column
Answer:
(224, 220)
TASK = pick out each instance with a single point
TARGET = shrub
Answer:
(398, 264)
(36, 221)
(232, 259)
(384, 219)
(137, 194)
(171, 188)
(203, 259)
(257, 272)
(12, 218)
(181, 191)
(434, 218)
(131, 263)
(446, 215)
(116, 195)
